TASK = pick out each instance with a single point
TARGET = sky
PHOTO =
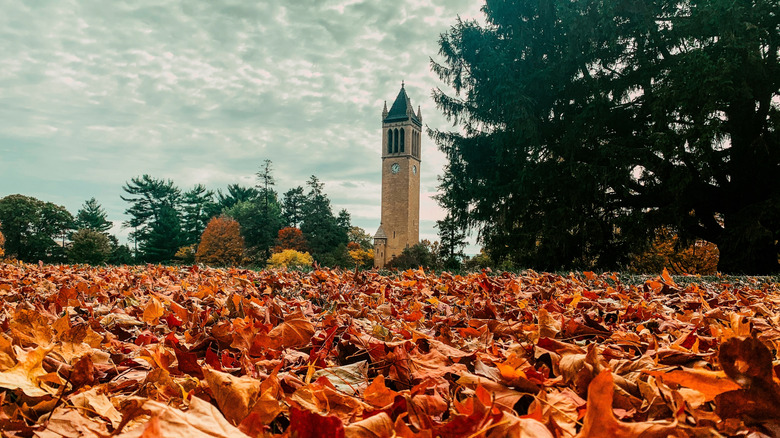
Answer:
(96, 92)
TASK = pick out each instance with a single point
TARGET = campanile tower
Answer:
(401, 141)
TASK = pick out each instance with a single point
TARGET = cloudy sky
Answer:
(95, 92)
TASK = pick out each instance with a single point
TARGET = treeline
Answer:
(167, 225)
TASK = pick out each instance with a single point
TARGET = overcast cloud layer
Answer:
(95, 92)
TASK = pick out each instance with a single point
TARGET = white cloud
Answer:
(93, 93)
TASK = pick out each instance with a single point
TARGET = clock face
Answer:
(414, 170)
(395, 168)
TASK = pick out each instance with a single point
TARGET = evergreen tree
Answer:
(260, 225)
(155, 217)
(266, 182)
(235, 194)
(197, 208)
(292, 206)
(92, 216)
(321, 229)
(586, 125)
(452, 240)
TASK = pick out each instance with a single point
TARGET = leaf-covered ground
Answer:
(186, 351)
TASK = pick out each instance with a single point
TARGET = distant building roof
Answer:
(402, 109)
(380, 233)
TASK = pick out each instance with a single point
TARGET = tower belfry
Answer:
(401, 146)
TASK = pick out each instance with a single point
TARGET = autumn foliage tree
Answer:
(679, 257)
(2, 243)
(291, 238)
(221, 243)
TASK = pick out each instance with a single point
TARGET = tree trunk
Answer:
(746, 246)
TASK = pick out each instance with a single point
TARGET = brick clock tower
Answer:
(401, 141)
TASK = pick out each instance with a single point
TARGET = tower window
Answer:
(389, 141)
(395, 141)
(403, 131)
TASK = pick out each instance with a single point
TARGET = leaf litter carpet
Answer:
(158, 351)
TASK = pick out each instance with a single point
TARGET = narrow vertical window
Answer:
(389, 141)
(395, 141)
(403, 131)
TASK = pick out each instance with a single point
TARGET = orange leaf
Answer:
(709, 383)
(600, 421)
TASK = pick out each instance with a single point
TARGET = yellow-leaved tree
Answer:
(701, 257)
(363, 258)
(290, 258)
(221, 243)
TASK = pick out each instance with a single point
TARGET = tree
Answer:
(235, 194)
(413, 257)
(221, 243)
(265, 175)
(30, 227)
(156, 220)
(92, 216)
(361, 237)
(89, 246)
(290, 238)
(260, 217)
(197, 211)
(292, 206)
(669, 252)
(260, 226)
(322, 230)
(361, 257)
(2, 242)
(587, 125)
(452, 240)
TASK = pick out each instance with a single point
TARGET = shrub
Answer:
(187, 253)
(290, 258)
(221, 243)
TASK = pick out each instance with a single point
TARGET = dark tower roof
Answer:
(402, 109)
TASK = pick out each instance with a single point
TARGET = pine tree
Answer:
(197, 211)
(292, 206)
(585, 126)
(321, 229)
(155, 217)
(452, 240)
(92, 216)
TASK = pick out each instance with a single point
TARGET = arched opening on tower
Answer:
(395, 141)
(389, 141)
(403, 131)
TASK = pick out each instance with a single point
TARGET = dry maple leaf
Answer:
(600, 421)
(749, 363)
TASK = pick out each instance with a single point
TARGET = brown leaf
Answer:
(235, 395)
(292, 333)
(377, 426)
(748, 362)
(600, 421)
(709, 383)
(201, 420)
